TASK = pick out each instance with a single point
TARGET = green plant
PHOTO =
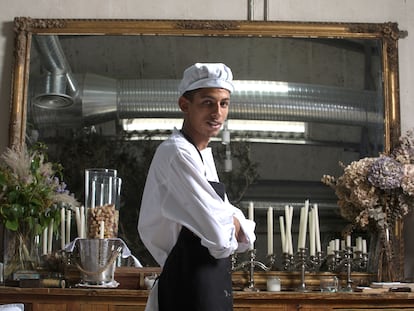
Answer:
(31, 189)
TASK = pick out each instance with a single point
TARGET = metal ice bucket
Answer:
(98, 260)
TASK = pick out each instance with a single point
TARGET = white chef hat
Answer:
(203, 75)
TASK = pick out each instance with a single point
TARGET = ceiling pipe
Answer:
(98, 99)
(57, 87)
(104, 99)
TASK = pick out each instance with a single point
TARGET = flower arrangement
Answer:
(31, 196)
(377, 190)
(31, 188)
(374, 192)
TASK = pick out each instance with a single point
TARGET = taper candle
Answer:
(68, 224)
(348, 241)
(82, 222)
(251, 211)
(270, 231)
(312, 232)
(289, 219)
(364, 246)
(303, 225)
(251, 217)
(44, 241)
(102, 229)
(62, 228)
(282, 233)
(78, 221)
(358, 244)
(317, 228)
(50, 237)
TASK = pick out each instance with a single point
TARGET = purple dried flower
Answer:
(386, 173)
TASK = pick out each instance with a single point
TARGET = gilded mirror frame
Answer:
(26, 27)
(388, 35)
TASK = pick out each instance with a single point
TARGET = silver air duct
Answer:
(99, 99)
(256, 100)
(103, 99)
(57, 86)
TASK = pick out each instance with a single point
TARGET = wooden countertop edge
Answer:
(238, 295)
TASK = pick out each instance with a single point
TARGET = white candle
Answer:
(110, 183)
(312, 233)
(101, 229)
(364, 246)
(68, 224)
(270, 231)
(93, 194)
(101, 197)
(289, 220)
(82, 222)
(317, 229)
(50, 236)
(358, 244)
(282, 234)
(336, 248)
(62, 228)
(303, 225)
(78, 221)
(44, 241)
(348, 241)
(251, 211)
(251, 217)
(331, 247)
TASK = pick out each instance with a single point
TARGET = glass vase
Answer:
(20, 252)
(383, 256)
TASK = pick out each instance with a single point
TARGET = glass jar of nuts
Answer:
(102, 197)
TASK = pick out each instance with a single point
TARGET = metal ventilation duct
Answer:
(96, 99)
(56, 88)
(103, 99)
(256, 100)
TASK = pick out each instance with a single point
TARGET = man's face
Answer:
(206, 112)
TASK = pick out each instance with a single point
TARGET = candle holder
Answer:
(348, 266)
(360, 260)
(315, 261)
(250, 266)
(287, 261)
(302, 263)
(347, 260)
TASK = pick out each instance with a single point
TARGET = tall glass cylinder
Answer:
(102, 198)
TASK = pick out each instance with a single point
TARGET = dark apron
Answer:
(192, 279)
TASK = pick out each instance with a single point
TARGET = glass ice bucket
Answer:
(98, 261)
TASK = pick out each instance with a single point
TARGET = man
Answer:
(186, 220)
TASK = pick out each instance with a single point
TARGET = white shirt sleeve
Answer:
(177, 193)
(198, 207)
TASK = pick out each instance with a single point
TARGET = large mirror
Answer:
(102, 93)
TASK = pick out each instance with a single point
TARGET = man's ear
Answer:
(183, 103)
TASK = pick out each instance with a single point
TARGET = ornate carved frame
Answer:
(387, 33)
(26, 27)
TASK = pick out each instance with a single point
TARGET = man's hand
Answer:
(239, 232)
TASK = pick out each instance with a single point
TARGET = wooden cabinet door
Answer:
(49, 306)
(94, 307)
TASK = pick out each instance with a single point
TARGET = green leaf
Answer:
(12, 225)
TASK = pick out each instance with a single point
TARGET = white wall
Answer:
(400, 11)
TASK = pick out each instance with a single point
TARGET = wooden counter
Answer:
(76, 299)
(131, 295)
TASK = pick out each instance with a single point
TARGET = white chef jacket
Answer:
(177, 193)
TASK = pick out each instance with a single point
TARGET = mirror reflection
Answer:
(300, 107)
